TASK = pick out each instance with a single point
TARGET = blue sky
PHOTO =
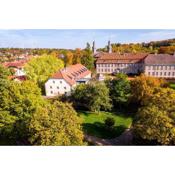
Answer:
(55, 38)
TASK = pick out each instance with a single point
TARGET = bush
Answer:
(109, 123)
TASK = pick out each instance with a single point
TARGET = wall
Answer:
(57, 86)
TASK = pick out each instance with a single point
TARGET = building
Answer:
(160, 65)
(63, 81)
(17, 67)
(156, 65)
(108, 63)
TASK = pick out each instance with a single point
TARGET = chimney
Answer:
(109, 47)
(93, 47)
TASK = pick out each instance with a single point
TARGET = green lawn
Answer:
(172, 85)
(93, 123)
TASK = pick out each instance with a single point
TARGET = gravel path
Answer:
(124, 139)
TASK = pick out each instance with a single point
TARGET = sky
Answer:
(76, 38)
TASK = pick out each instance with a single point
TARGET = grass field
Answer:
(172, 85)
(93, 123)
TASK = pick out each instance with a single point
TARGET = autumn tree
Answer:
(56, 124)
(69, 58)
(155, 120)
(144, 86)
(39, 69)
(77, 56)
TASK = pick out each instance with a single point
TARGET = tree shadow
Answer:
(99, 130)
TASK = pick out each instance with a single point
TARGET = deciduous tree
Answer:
(56, 124)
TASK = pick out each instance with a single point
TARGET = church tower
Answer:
(93, 47)
(109, 47)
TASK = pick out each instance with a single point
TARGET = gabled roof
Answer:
(159, 59)
(72, 73)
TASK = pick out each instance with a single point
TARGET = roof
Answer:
(120, 58)
(20, 78)
(72, 73)
(17, 64)
(159, 59)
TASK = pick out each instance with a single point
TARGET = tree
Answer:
(88, 60)
(39, 69)
(156, 119)
(155, 124)
(120, 89)
(143, 87)
(56, 124)
(92, 96)
(19, 102)
(77, 56)
(69, 58)
(109, 123)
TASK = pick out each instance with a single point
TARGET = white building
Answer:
(156, 65)
(66, 79)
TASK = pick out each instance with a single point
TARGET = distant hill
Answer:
(163, 46)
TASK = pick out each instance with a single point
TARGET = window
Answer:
(160, 73)
(51, 92)
(50, 87)
(165, 67)
(164, 73)
(161, 67)
(173, 73)
(64, 87)
(149, 73)
(156, 73)
(53, 81)
(57, 87)
(153, 73)
(169, 73)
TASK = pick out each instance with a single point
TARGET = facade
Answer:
(156, 65)
(161, 65)
(63, 81)
(108, 63)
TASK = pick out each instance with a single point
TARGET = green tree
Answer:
(39, 69)
(19, 102)
(92, 96)
(119, 89)
(56, 124)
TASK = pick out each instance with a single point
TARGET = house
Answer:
(17, 67)
(63, 81)
(157, 65)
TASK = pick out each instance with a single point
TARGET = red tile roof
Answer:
(120, 58)
(17, 64)
(20, 78)
(72, 73)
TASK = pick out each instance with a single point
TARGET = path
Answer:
(124, 139)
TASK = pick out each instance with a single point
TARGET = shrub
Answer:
(109, 123)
